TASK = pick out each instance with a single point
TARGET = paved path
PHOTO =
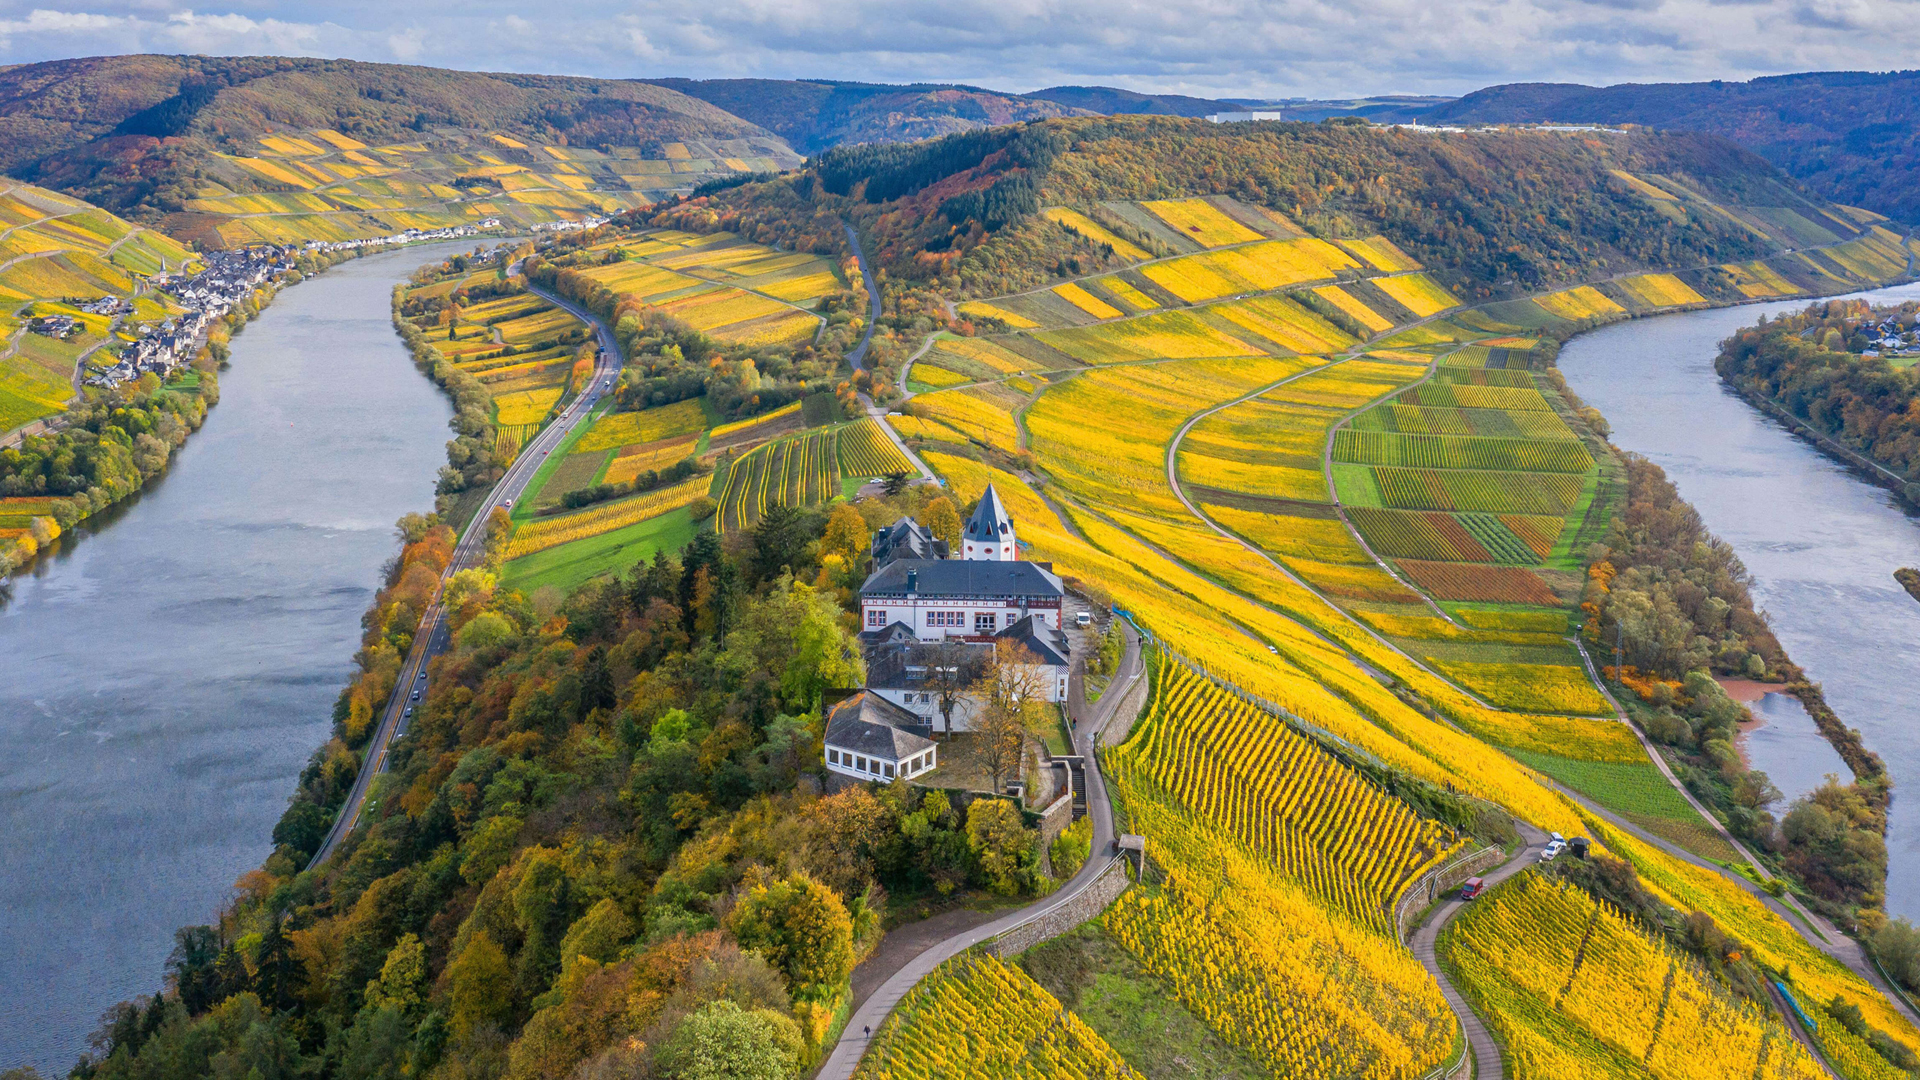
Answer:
(434, 637)
(1488, 1064)
(858, 357)
(871, 1013)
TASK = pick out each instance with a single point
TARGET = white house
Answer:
(867, 739)
(906, 671)
(986, 590)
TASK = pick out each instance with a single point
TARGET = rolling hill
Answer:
(815, 115)
(1852, 136)
(353, 143)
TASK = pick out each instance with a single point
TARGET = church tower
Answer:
(989, 533)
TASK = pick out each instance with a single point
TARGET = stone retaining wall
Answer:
(1093, 900)
(1436, 882)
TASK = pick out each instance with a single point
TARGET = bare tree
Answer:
(1013, 706)
(950, 677)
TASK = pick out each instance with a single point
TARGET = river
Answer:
(167, 677)
(1822, 545)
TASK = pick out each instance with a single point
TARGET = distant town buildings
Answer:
(228, 278)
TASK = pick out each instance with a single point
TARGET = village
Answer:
(227, 279)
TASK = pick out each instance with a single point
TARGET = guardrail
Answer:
(1430, 885)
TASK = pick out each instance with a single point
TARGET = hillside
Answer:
(1851, 136)
(958, 212)
(55, 252)
(814, 115)
(147, 136)
(1109, 100)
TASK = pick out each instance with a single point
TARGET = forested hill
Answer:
(1498, 213)
(1852, 136)
(816, 114)
(137, 133)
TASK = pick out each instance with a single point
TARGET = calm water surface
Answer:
(163, 682)
(1821, 543)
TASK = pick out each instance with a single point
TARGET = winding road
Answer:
(433, 637)
(869, 1015)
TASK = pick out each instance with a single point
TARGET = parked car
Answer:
(1083, 620)
(1552, 851)
(1473, 887)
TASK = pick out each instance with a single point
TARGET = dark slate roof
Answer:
(887, 665)
(990, 523)
(906, 539)
(865, 724)
(892, 633)
(964, 577)
(1041, 639)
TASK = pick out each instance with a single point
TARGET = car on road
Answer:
(1472, 887)
(1083, 619)
(409, 711)
(416, 695)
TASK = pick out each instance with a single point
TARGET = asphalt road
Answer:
(433, 637)
(867, 1018)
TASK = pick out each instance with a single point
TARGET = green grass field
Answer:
(615, 552)
(1640, 794)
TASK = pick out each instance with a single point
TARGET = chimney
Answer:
(913, 582)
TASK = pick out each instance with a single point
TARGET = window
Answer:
(876, 617)
(888, 768)
(946, 618)
(833, 756)
(862, 766)
(985, 622)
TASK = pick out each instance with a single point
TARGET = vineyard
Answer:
(976, 1017)
(1281, 797)
(1575, 989)
(544, 533)
(800, 471)
(865, 450)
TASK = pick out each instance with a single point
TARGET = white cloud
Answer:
(1211, 47)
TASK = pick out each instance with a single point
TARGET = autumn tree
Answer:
(800, 927)
(479, 985)
(943, 520)
(1012, 693)
(951, 674)
(1001, 845)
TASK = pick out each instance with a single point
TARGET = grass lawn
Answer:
(1640, 794)
(615, 552)
(1138, 1015)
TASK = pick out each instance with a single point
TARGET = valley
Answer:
(1375, 602)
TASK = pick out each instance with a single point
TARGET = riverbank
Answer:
(176, 660)
(1820, 550)
(151, 440)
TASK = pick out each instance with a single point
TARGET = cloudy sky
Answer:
(1312, 48)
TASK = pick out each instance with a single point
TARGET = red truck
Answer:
(1472, 888)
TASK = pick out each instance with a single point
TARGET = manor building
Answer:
(987, 589)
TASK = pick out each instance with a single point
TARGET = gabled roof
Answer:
(866, 724)
(937, 578)
(906, 666)
(990, 523)
(1041, 639)
(906, 539)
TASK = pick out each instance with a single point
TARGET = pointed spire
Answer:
(990, 523)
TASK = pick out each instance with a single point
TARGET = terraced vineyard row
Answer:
(1282, 796)
(977, 1017)
(1575, 989)
(792, 471)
